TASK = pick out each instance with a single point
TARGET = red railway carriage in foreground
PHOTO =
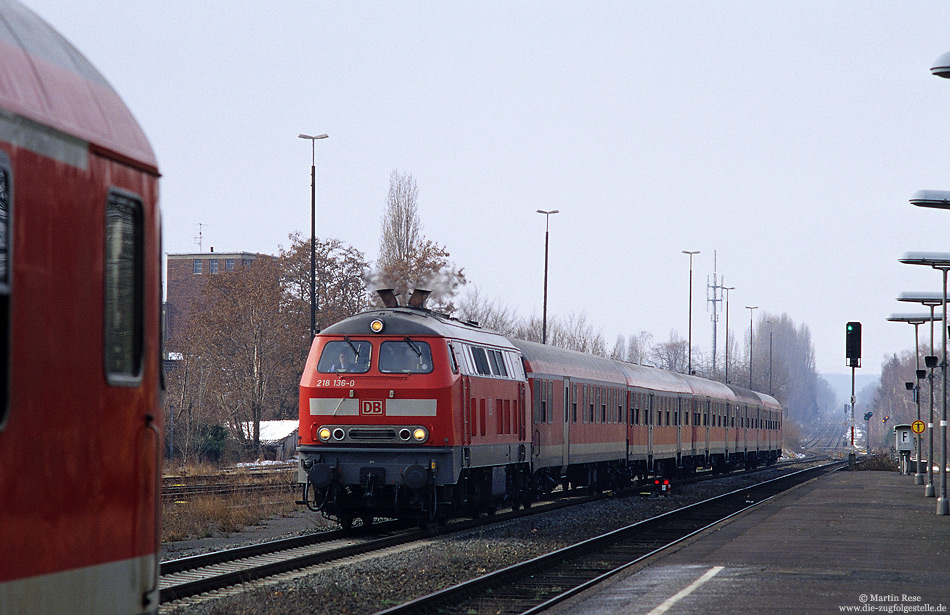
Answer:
(80, 423)
(408, 413)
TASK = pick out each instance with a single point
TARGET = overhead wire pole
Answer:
(726, 289)
(751, 309)
(715, 300)
(544, 313)
(689, 341)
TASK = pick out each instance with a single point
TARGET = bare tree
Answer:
(639, 348)
(619, 352)
(408, 260)
(670, 355)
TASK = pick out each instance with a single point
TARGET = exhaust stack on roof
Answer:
(388, 296)
(418, 298)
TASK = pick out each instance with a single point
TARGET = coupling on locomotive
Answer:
(407, 413)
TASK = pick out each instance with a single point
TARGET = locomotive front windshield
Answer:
(406, 356)
(345, 357)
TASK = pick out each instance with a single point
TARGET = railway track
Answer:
(536, 585)
(263, 483)
(188, 577)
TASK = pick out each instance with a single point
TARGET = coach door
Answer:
(678, 419)
(568, 399)
(650, 421)
(706, 418)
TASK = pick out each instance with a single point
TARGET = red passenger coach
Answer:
(80, 424)
(408, 413)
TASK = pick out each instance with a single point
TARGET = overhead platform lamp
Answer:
(941, 262)
(941, 200)
(931, 300)
(916, 320)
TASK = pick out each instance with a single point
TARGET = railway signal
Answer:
(853, 344)
(853, 355)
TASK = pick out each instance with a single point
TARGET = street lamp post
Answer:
(313, 230)
(751, 309)
(689, 339)
(931, 300)
(727, 289)
(916, 320)
(941, 262)
(544, 314)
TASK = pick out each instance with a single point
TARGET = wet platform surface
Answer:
(860, 542)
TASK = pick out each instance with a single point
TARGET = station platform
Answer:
(846, 542)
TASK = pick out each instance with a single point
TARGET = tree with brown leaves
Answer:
(407, 260)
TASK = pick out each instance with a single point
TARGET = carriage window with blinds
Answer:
(123, 290)
(6, 265)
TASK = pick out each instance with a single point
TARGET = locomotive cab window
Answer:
(123, 290)
(345, 357)
(6, 265)
(481, 361)
(407, 356)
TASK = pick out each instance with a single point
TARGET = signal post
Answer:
(853, 355)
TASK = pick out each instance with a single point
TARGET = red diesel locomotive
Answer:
(410, 414)
(80, 421)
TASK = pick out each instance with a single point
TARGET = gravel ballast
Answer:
(374, 583)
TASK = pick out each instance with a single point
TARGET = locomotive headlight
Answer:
(420, 435)
(324, 434)
(376, 326)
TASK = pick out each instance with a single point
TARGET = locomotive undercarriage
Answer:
(478, 491)
(424, 498)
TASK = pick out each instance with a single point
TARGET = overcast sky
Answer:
(785, 136)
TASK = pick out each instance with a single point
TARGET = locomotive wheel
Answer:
(367, 520)
(346, 522)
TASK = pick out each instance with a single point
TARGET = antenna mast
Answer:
(197, 237)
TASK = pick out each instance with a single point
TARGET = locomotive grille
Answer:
(372, 433)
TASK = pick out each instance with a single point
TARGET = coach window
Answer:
(6, 265)
(543, 418)
(551, 400)
(123, 290)
(574, 405)
(589, 403)
(536, 402)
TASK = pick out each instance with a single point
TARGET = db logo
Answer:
(369, 406)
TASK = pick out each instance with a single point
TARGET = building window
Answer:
(197, 266)
(213, 266)
(6, 278)
(123, 290)
(229, 264)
